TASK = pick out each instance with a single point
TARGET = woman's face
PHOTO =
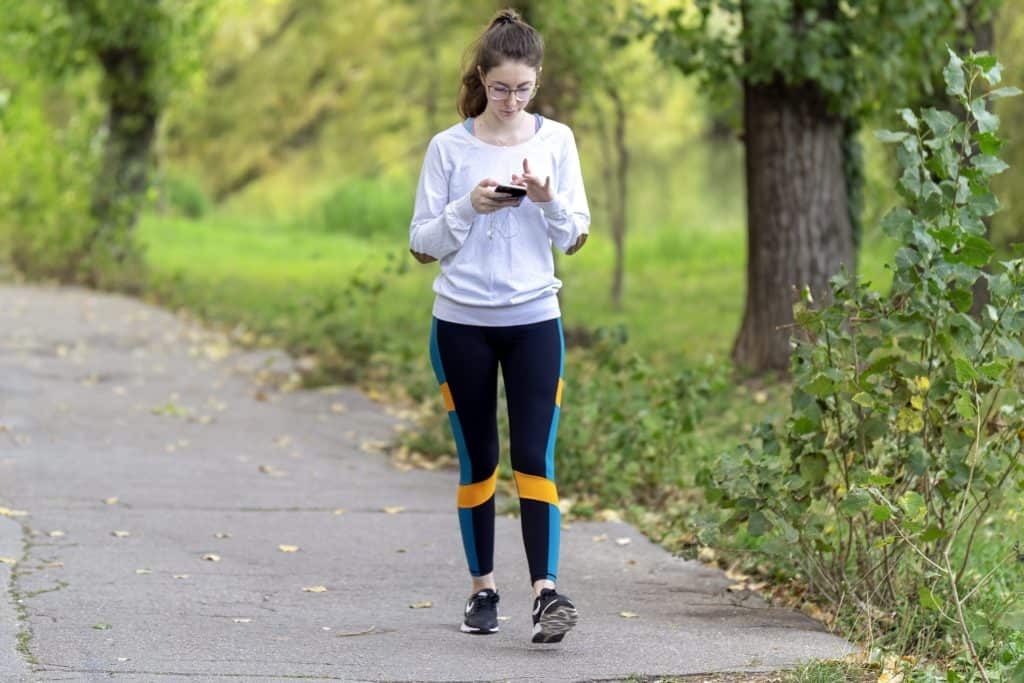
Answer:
(512, 81)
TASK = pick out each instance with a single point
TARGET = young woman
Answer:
(496, 191)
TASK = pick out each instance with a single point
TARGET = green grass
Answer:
(684, 287)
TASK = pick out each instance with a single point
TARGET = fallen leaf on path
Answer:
(393, 510)
(357, 633)
(272, 471)
(7, 512)
(143, 571)
(628, 615)
(623, 541)
(7, 560)
(239, 620)
(737, 588)
(288, 548)
(735, 575)
(182, 576)
(339, 511)
(222, 534)
(122, 659)
(102, 627)
(504, 618)
(120, 533)
(56, 533)
(600, 539)
(120, 391)
(315, 589)
(210, 557)
(111, 501)
(421, 605)
(339, 408)
(283, 440)
(373, 446)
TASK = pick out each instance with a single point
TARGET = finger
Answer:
(547, 184)
(489, 182)
(526, 166)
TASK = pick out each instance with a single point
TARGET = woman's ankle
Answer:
(484, 582)
(540, 585)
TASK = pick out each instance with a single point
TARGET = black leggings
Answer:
(466, 360)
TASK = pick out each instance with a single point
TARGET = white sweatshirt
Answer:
(497, 269)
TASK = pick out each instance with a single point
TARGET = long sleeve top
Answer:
(497, 269)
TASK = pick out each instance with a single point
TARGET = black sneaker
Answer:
(481, 613)
(554, 615)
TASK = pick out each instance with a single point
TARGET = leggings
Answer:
(466, 360)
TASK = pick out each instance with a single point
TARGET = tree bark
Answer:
(798, 223)
(132, 114)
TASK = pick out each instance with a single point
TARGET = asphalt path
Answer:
(170, 511)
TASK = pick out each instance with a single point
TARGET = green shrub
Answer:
(364, 207)
(906, 433)
(629, 427)
(44, 198)
(184, 196)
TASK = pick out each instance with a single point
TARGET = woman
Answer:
(497, 303)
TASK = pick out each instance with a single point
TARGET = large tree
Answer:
(139, 53)
(809, 71)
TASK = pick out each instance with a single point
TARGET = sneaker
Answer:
(481, 613)
(554, 615)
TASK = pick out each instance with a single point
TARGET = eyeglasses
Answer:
(501, 92)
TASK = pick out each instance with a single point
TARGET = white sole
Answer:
(477, 631)
(552, 626)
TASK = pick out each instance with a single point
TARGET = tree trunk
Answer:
(132, 113)
(798, 222)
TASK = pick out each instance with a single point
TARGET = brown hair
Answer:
(507, 37)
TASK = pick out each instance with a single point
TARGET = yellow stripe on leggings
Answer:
(536, 488)
(558, 392)
(471, 495)
(449, 403)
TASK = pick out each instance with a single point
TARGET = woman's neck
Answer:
(500, 131)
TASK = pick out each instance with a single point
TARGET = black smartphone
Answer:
(512, 190)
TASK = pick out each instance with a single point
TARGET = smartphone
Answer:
(512, 190)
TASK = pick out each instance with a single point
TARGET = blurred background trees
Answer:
(689, 115)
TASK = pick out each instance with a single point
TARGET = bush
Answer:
(44, 199)
(364, 207)
(185, 197)
(629, 428)
(906, 433)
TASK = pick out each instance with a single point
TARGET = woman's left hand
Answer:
(536, 190)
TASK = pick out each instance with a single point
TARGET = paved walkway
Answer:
(153, 494)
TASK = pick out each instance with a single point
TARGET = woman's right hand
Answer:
(486, 200)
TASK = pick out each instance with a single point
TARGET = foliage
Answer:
(629, 432)
(364, 207)
(183, 195)
(78, 180)
(861, 57)
(907, 427)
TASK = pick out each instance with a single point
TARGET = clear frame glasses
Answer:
(501, 92)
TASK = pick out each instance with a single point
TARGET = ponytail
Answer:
(507, 38)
